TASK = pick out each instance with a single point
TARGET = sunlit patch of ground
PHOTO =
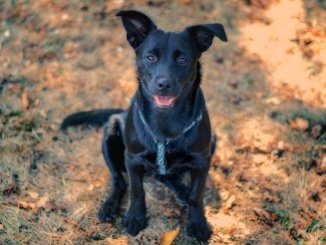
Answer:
(264, 92)
(289, 71)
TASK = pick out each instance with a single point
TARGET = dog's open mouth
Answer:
(164, 101)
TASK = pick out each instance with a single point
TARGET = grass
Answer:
(52, 183)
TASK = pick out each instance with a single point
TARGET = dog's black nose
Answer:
(164, 84)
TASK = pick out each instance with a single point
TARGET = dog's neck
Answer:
(170, 122)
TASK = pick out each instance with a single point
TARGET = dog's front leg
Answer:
(136, 216)
(197, 224)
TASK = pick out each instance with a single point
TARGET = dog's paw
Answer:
(107, 212)
(135, 223)
(199, 230)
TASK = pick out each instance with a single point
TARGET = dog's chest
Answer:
(175, 161)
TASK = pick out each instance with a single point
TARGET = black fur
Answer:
(168, 65)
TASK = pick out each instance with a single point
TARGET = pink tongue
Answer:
(163, 100)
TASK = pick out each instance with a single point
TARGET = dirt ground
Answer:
(265, 91)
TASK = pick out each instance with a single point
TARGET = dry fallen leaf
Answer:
(259, 158)
(185, 1)
(169, 236)
(299, 123)
(24, 204)
(230, 202)
(230, 230)
(90, 187)
(121, 240)
(33, 194)
(280, 145)
(273, 101)
(114, 5)
(321, 168)
(224, 194)
(25, 100)
(42, 202)
(1, 227)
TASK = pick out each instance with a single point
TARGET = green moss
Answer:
(16, 113)
(313, 226)
(284, 218)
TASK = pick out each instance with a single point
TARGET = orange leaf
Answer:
(185, 1)
(33, 194)
(25, 100)
(42, 202)
(299, 124)
(169, 236)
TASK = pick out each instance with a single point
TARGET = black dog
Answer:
(166, 130)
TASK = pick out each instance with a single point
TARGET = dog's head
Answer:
(167, 61)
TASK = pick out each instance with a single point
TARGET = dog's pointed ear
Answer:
(203, 35)
(137, 26)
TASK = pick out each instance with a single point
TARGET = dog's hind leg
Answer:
(113, 152)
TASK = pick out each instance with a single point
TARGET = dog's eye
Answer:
(182, 60)
(151, 58)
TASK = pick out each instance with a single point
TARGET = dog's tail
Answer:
(92, 118)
